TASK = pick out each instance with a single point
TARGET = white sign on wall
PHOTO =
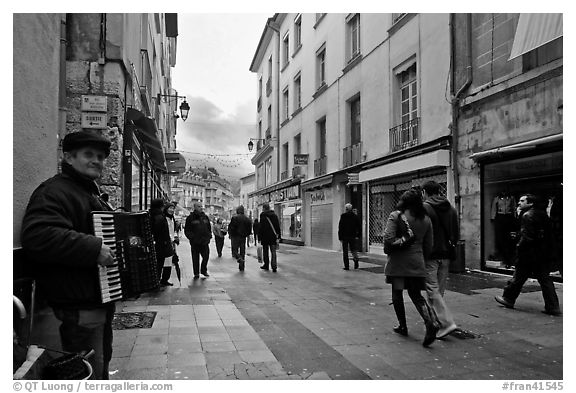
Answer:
(94, 120)
(94, 104)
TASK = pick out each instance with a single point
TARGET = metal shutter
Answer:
(321, 226)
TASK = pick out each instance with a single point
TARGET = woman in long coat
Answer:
(409, 238)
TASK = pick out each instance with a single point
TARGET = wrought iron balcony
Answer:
(352, 154)
(405, 135)
(320, 166)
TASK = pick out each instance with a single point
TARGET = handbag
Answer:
(401, 240)
(276, 245)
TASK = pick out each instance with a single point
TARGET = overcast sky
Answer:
(213, 57)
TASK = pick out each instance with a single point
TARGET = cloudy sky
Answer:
(213, 57)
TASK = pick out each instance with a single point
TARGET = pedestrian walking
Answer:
(239, 229)
(255, 229)
(533, 255)
(162, 239)
(199, 231)
(349, 230)
(269, 235)
(219, 232)
(445, 228)
(407, 242)
(63, 254)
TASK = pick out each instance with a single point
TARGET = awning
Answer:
(147, 133)
(535, 30)
(438, 158)
(516, 148)
(175, 162)
(317, 183)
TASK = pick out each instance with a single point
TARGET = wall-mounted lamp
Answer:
(251, 144)
(184, 107)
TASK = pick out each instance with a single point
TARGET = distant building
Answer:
(247, 186)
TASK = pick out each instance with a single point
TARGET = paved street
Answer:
(313, 320)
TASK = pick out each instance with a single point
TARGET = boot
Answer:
(430, 321)
(401, 329)
(165, 276)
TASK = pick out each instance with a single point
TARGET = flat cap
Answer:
(81, 139)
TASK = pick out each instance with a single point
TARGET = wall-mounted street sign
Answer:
(94, 104)
(94, 120)
(300, 159)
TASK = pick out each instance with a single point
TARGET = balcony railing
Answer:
(284, 175)
(352, 154)
(320, 166)
(405, 135)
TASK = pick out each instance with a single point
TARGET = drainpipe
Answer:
(455, 101)
(274, 26)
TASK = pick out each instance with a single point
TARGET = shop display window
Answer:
(503, 185)
(291, 220)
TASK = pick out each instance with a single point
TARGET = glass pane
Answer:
(414, 88)
(405, 108)
(404, 93)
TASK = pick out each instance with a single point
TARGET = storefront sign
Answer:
(321, 197)
(94, 120)
(300, 159)
(94, 104)
(292, 192)
(519, 168)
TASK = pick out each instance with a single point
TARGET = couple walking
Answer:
(419, 240)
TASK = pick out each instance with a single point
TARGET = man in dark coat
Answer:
(349, 230)
(162, 240)
(533, 251)
(269, 235)
(199, 231)
(64, 255)
(445, 229)
(239, 229)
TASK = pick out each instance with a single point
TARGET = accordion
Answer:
(134, 270)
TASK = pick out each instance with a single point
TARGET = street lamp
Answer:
(251, 144)
(184, 107)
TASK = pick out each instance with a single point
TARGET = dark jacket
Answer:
(444, 223)
(265, 233)
(240, 226)
(57, 238)
(349, 227)
(198, 228)
(535, 243)
(256, 227)
(409, 262)
(161, 233)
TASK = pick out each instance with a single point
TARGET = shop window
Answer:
(504, 183)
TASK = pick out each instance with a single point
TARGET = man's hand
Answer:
(106, 256)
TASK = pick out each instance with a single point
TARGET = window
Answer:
(322, 138)
(319, 17)
(355, 123)
(269, 121)
(297, 140)
(297, 32)
(297, 92)
(286, 49)
(260, 129)
(286, 106)
(269, 80)
(408, 95)
(321, 66)
(268, 171)
(353, 27)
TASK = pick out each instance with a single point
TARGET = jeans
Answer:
(238, 247)
(197, 251)
(521, 274)
(219, 244)
(352, 245)
(84, 330)
(436, 275)
(268, 249)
